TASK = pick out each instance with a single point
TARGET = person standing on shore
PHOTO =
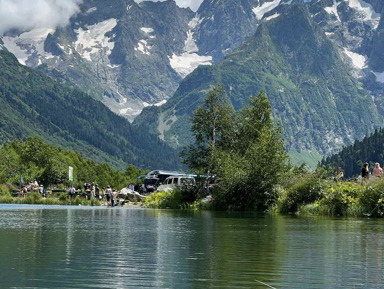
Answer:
(114, 198)
(365, 171)
(377, 171)
(93, 190)
(109, 195)
(72, 192)
(339, 175)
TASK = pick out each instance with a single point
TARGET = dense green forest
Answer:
(36, 160)
(34, 104)
(351, 158)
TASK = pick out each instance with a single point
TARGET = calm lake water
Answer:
(77, 247)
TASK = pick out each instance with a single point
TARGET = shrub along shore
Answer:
(308, 196)
(35, 198)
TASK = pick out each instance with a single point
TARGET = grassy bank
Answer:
(312, 196)
(305, 195)
(34, 198)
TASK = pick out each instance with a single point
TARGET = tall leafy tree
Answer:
(246, 152)
(212, 127)
(251, 171)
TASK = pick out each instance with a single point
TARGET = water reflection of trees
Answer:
(173, 249)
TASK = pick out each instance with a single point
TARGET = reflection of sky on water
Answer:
(132, 248)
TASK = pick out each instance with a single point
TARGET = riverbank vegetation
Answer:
(35, 198)
(22, 162)
(305, 194)
(34, 159)
(316, 193)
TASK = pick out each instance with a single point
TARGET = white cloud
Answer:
(28, 14)
(193, 4)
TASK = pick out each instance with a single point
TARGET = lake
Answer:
(88, 247)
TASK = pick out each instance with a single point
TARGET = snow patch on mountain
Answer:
(185, 63)
(366, 12)
(91, 10)
(379, 76)
(28, 44)
(143, 47)
(93, 39)
(333, 9)
(66, 49)
(359, 61)
(265, 8)
(160, 103)
(189, 60)
(113, 66)
(147, 30)
(272, 17)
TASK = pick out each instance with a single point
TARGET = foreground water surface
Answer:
(77, 247)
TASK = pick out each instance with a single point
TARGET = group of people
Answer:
(377, 171)
(365, 172)
(32, 186)
(111, 195)
(93, 191)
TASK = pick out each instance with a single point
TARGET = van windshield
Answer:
(186, 182)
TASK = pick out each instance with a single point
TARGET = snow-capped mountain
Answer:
(355, 27)
(125, 54)
(320, 62)
(132, 55)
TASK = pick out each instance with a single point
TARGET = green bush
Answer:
(6, 198)
(334, 199)
(164, 200)
(33, 197)
(305, 190)
(371, 199)
(338, 199)
(63, 196)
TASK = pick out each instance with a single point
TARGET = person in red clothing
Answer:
(377, 171)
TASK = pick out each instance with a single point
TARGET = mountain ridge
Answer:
(34, 104)
(320, 103)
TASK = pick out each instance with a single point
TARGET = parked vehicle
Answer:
(177, 182)
(154, 179)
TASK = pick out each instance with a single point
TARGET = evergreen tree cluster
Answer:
(351, 158)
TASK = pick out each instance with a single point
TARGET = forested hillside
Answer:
(33, 104)
(351, 158)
